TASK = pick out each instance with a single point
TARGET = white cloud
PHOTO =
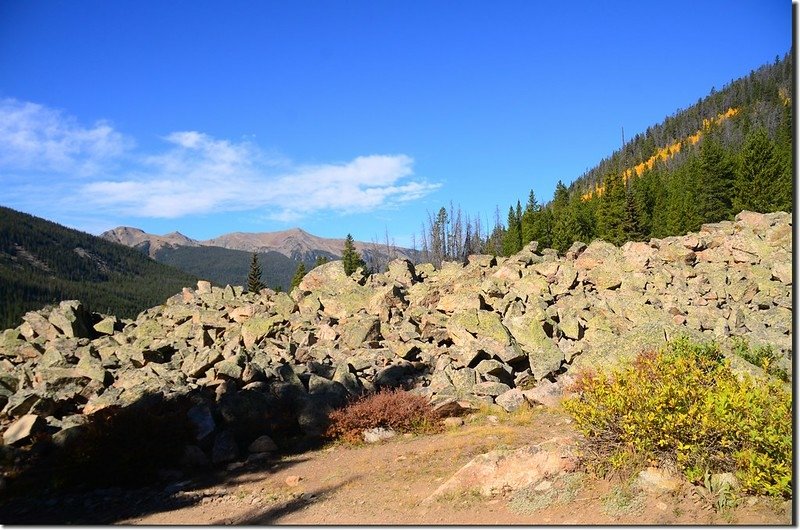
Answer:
(200, 175)
(36, 138)
(41, 149)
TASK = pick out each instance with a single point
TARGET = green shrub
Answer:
(763, 356)
(398, 410)
(683, 405)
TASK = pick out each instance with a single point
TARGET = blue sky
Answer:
(341, 117)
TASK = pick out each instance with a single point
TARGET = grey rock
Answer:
(378, 434)
(511, 399)
(225, 449)
(262, 444)
(71, 318)
(489, 388)
(202, 421)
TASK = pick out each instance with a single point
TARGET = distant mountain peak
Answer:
(295, 243)
(138, 238)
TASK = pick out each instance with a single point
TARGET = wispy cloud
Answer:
(194, 173)
(36, 138)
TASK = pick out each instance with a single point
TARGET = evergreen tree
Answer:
(528, 221)
(759, 172)
(563, 227)
(559, 235)
(644, 189)
(611, 210)
(784, 147)
(298, 275)
(321, 260)
(560, 196)
(682, 198)
(543, 228)
(715, 190)
(512, 240)
(254, 283)
(632, 228)
(350, 257)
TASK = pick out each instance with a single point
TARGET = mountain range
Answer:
(226, 259)
(295, 243)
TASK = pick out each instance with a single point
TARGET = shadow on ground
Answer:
(125, 463)
(271, 515)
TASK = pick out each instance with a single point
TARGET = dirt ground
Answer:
(386, 483)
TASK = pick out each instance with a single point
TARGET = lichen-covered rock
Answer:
(495, 330)
(358, 330)
(260, 326)
(72, 319)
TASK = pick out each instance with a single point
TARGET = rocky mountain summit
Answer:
(294, 243)
(149, 244)
(493, 330)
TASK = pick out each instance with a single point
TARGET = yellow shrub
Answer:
(684, 405)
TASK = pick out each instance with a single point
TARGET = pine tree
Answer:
(759, 172)
(298, 275)
(632, 228)
(254, 283)
(528, 221)
(512, 240)
(644, 188)
(715, 190)
(611, 211)
(682, 205)
(543, 228)
(784, 147)
(321, 260)
(350, 258)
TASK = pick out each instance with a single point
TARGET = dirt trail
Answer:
(386, 483)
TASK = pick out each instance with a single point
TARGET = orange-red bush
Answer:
(398, 410)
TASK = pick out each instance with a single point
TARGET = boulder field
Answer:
(494, 330)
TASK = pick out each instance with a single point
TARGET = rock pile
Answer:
(494, 330)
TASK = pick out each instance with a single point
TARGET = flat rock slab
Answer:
(498, 471)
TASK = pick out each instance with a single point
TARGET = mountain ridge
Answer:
(294, 243)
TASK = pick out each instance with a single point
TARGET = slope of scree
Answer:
(496, 330)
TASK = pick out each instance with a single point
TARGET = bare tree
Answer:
(389, 247)
(456, 246)
(426, 252)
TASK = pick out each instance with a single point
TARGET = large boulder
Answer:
(72, 319)
(544, 356)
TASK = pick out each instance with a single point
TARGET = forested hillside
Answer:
(43, 262)
(225, 266)
(729, 152)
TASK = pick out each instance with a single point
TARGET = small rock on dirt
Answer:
(656, 480)
(377, 434)
(293, 480)
(262, 444)
(453, 421)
